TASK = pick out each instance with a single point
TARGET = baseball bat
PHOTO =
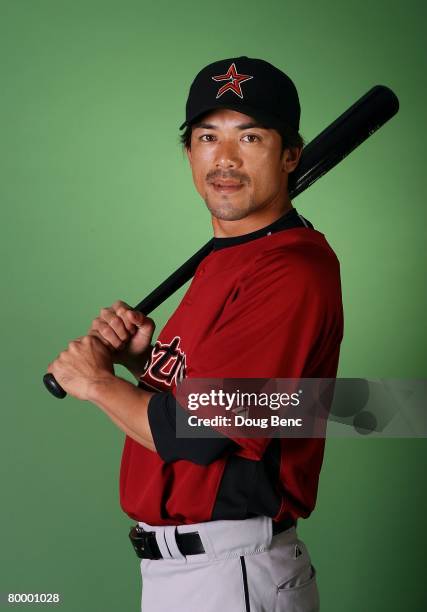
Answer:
(322, 154)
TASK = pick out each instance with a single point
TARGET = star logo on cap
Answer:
(234, 79)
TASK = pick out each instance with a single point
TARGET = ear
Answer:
(290, 158)
(188, 152)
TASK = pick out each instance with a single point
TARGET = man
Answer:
(217, 517)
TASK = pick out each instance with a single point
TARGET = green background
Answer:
(98, 204)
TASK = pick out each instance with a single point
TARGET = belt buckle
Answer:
(144, 543)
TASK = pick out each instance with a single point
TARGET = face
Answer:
(238, 167)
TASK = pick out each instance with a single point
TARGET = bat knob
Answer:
(53, 386)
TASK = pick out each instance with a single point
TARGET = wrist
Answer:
(99, 387)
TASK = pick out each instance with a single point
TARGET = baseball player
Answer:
(216, 519)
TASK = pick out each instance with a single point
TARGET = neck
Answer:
(253, 222)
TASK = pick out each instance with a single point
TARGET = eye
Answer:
(251, 138)
(207, 137)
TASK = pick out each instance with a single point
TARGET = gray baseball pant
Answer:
(244, 569)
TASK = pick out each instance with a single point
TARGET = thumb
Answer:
(137, 318)
(143, 336)
(146, 327)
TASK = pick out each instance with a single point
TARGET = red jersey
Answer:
(264, 305)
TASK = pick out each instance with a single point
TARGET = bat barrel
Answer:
(342, 136)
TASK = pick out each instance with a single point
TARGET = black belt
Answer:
(146, 547)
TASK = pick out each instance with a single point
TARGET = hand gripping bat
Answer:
(330, 147)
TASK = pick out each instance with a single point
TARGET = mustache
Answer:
(229, 174)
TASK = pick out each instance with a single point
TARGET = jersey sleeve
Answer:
(285, 321)
(163, 414)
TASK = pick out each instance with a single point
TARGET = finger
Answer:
(96, 334)
(108, 333)
(111, 316)
(76, 341)
(120, 304)
(128, 320)
(148, 326)
(119, 327)
(96, 325)
(106, 314)
(135, 318)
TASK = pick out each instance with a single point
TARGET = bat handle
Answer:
(53, 386)
(176, 280)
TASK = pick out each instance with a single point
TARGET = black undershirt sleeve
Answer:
(163, 411)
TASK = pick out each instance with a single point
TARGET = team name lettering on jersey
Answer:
(168, 362)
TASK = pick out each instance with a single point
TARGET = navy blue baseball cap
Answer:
(250, 86)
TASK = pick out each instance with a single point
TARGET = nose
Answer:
(228, 155)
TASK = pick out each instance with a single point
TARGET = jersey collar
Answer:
(289, 220)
